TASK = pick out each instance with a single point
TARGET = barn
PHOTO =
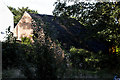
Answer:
(64, 34)
(68, 32)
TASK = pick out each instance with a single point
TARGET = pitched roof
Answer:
(69, 32)
(65, 34)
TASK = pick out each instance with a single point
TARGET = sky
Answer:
(42, 6)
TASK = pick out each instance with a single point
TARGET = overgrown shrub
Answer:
(34, 60)
(9, 55)
(83, 59)
(39, 62)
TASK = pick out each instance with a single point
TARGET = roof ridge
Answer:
(39, 14)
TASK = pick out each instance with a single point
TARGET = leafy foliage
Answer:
(33, 60)
(26, 40)
(101, 20)
(83, 59)
(18, 13)
(37, 60)
(9, 36)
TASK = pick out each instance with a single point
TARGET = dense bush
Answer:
(34, 60)
(9, 55)
(83, 59)
(39, 61)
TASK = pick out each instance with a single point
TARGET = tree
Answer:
(34, 60)
(18, 13)
(101, 20)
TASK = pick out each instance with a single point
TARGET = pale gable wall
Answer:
(24, 27)
(6, 20)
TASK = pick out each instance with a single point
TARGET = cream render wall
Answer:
(6, 20)
(24, 27)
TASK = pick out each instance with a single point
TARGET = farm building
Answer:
(65, 35)
(67, 31)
